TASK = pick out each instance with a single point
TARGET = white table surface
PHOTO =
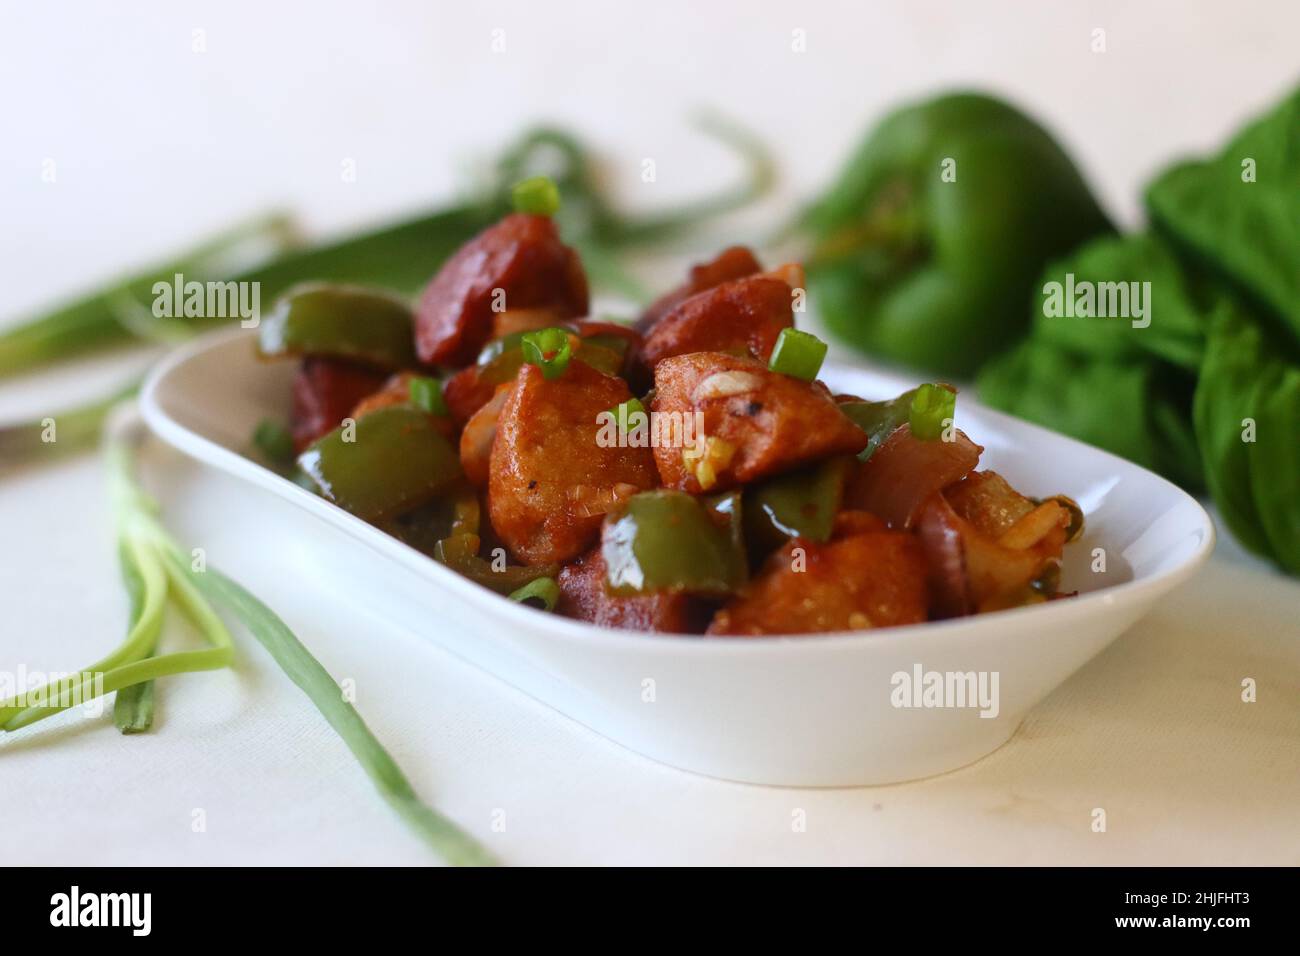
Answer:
(155, 145)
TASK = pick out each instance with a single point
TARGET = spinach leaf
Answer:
(1275, 465)
(1238, 215)
(1132, 407)
(1137, 269)
(1247, 415)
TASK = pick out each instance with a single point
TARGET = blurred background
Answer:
(165, 122)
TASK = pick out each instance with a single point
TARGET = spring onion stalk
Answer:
(155, 571)
(798, 354)
(624, 411)
(448, 840)
(426, 393)
(133, 707)
(146, 552)
(115, 315)
(933, 407)
(540, 592)
(549, 350)
(59, 433)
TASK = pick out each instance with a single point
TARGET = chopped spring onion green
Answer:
(426, 393)
(536, 196)
(798, 354)
(624, 411)
(932, 411)
(274, 442)
(542, 593)
(549, 350)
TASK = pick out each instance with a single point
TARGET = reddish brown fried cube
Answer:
(734, 262)
(583, 595)
(756, 422)
(865, 577)
(519, 263)
(466, 392)
(744, 317)
(552, 478)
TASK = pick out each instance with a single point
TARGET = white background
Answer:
(156, 145)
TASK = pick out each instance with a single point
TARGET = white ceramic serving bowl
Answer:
(801, 711)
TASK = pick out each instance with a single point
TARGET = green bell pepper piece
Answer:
(798, 504)
(500, 359)
(454, 511)
(928, 246)
(666, 540)
(460, 553)
(346, 322)
(389, 462)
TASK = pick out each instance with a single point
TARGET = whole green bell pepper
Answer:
(347, 322)
(928, 246)
(388, 462)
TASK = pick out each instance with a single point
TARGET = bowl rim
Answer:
(1147, 588)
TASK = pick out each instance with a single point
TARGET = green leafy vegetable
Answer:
(1127, 407)
(1237, 216)
(1127, 272)
(1247, 415)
